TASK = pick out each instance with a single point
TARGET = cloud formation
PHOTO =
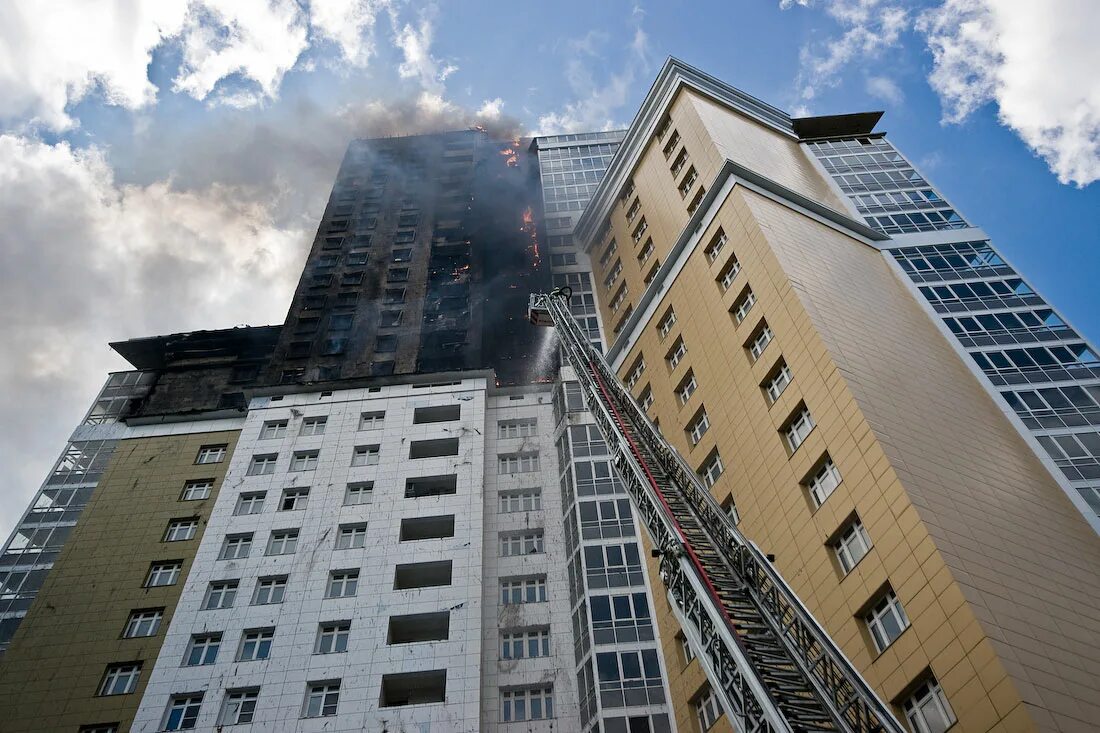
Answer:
(1036, 61)
(597, 104)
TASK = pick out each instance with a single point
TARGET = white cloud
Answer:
(885, 88)
(869, 27)
(257, 40)
(89, 260)
(415, 43)
(490, 109)
(53, 54)
(347, 23)
(597, 104)
(1036, 61)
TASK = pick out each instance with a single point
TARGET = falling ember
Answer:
(531, 231)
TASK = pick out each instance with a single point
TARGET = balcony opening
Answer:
(413, 688)
(422, 486)
(427, 528)
(417, 627)
(433, 448)
(442, 413)
(422, 575)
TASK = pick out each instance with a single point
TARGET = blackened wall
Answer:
(422, 263)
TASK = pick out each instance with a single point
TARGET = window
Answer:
(394, 296)
(340, 321)
(202, 650)
(365, 455)
(685, 648)
(743, 305)
(250, 503)
(629, 678)
(666, 323)
(386, 343)
(236, 546)
(851, 545)
(332, 637)
(632, 212)
(823, 482)
(282, 542)
(220, 594)
(359, 493)
(525, 644)
(390, 319)
(269, 590)
(672, 142)
(689, 180)
(534, 703)
(119, 679)
(717, 244)
(372, 420)
(262, 465)
(612, 276)
(321, 699)
(197, 489)
(99, 728)
(687, 388)
(886, 620)
(211, 454)
(523, 500)
(517, 463)
(778, 382)
(711, 469)
(927, 710)
(521, 543)
(294, 500)
(635, 372)
(143, 623)
(351, 537)
(646, 400)
(342, 584)
(760, 341)
(255, 644)
(729, 274)
(181, 529)
(698, 427)
(523, 590)
(163, 573)
(516, 428)
(313, 426)
(304, 460)
(182, 712)
(273, 429)
(639, 232)
(239, 707)
(679, 162)
(647, 252)
(707, 710)
(676, 353)
(729, 506)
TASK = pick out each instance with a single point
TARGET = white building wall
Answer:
(556, 670)
(282, 679)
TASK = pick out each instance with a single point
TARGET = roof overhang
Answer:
(157, 352)
(850, 125)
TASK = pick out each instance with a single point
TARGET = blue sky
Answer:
(163, 164)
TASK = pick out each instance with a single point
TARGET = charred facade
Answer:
(422, 263)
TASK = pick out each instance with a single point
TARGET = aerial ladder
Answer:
(770, 663)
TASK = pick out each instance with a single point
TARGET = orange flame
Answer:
(531, 231)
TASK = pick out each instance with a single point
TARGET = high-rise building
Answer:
(395, 511)
(877, 398)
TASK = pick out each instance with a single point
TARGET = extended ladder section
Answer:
(773, 667)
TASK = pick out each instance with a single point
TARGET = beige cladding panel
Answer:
(51, 672)
(996, 570)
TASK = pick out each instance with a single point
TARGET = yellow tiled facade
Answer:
(52, 671)
(998, 573)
